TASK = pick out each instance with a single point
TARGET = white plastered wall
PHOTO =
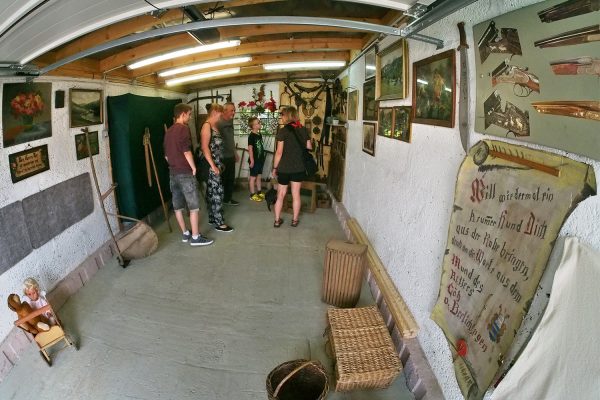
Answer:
(56, 258)
(403, 196)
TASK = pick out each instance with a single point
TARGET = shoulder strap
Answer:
(295, 130)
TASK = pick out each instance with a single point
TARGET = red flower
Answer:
(252, 104)
(242, 104)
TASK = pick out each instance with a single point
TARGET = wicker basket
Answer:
(298, 380)
(365, 357)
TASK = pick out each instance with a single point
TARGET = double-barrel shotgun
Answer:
(576, 66)
(568, 9)
(577, 36)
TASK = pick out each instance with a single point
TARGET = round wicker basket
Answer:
(298, 380)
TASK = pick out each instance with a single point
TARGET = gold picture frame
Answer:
(392, 72)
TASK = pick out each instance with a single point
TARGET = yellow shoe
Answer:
(256, 198)
(261, 195)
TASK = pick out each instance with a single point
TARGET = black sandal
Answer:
(295, 222)
(277, 223)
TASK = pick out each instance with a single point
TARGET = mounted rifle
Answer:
(513, 119)
(576, 66)
(494, 40)
(568, 9)
(577, 36)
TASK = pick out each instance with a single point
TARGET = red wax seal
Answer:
(461, 347)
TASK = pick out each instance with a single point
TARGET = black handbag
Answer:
(310, 166)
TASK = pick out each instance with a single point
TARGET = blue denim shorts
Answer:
(185, 191)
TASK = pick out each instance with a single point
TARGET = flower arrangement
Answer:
(258, 107)
(258, 103)
(27, 105)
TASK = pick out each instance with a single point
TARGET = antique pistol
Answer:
(490, 42)
(512, 118)
(521, 78)
(577, 36)
(578, 109)
(567, 9)
(576, 66)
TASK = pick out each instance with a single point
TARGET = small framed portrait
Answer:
(81, 147)
(353, 105)
(369, 134)
(369, 102)
(434, 82)
(85, 107)
(370, 63)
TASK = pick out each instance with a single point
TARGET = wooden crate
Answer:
(365, 357)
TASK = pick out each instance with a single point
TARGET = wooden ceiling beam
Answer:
(273, 46)
(116, 31)
(261, 59)
(248, 79)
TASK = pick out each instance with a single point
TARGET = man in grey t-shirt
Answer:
(230, 156)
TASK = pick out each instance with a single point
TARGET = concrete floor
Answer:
(197, 323)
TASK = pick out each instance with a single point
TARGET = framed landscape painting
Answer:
(402, 123)
(369, 134)
(386, 121)
(85, 107)
(392, 71)
(26, 112)
(434, 82)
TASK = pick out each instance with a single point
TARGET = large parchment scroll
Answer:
(509, 205)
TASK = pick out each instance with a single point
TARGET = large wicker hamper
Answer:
(365, 357)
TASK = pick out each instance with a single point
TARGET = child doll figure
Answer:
(36, 298)
(256, 159)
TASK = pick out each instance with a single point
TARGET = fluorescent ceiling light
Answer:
(205, 75)
(205, 65)
(184, 52)
(371, 67)
(393, 4)
(305, 65)
(421, 81)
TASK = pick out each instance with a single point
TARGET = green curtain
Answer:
(128, 116)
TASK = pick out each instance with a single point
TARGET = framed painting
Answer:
(370, 63)
(369, 134)
(81, 148)
(385, 122)
(392, 71)
(369, 102)
(26, 112)
(85, 107)
(434, 83)
(353, 105)
(28, 163)
(402, 123)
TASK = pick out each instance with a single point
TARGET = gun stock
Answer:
(576, 66)
(577, 109)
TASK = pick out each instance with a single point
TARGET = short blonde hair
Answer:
(215, 108)
(29, 284)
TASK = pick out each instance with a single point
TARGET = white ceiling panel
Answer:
(65, 20)
(12, 10)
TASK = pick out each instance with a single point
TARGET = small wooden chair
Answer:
(49, 338)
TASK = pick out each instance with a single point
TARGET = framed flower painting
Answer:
(26, 112)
